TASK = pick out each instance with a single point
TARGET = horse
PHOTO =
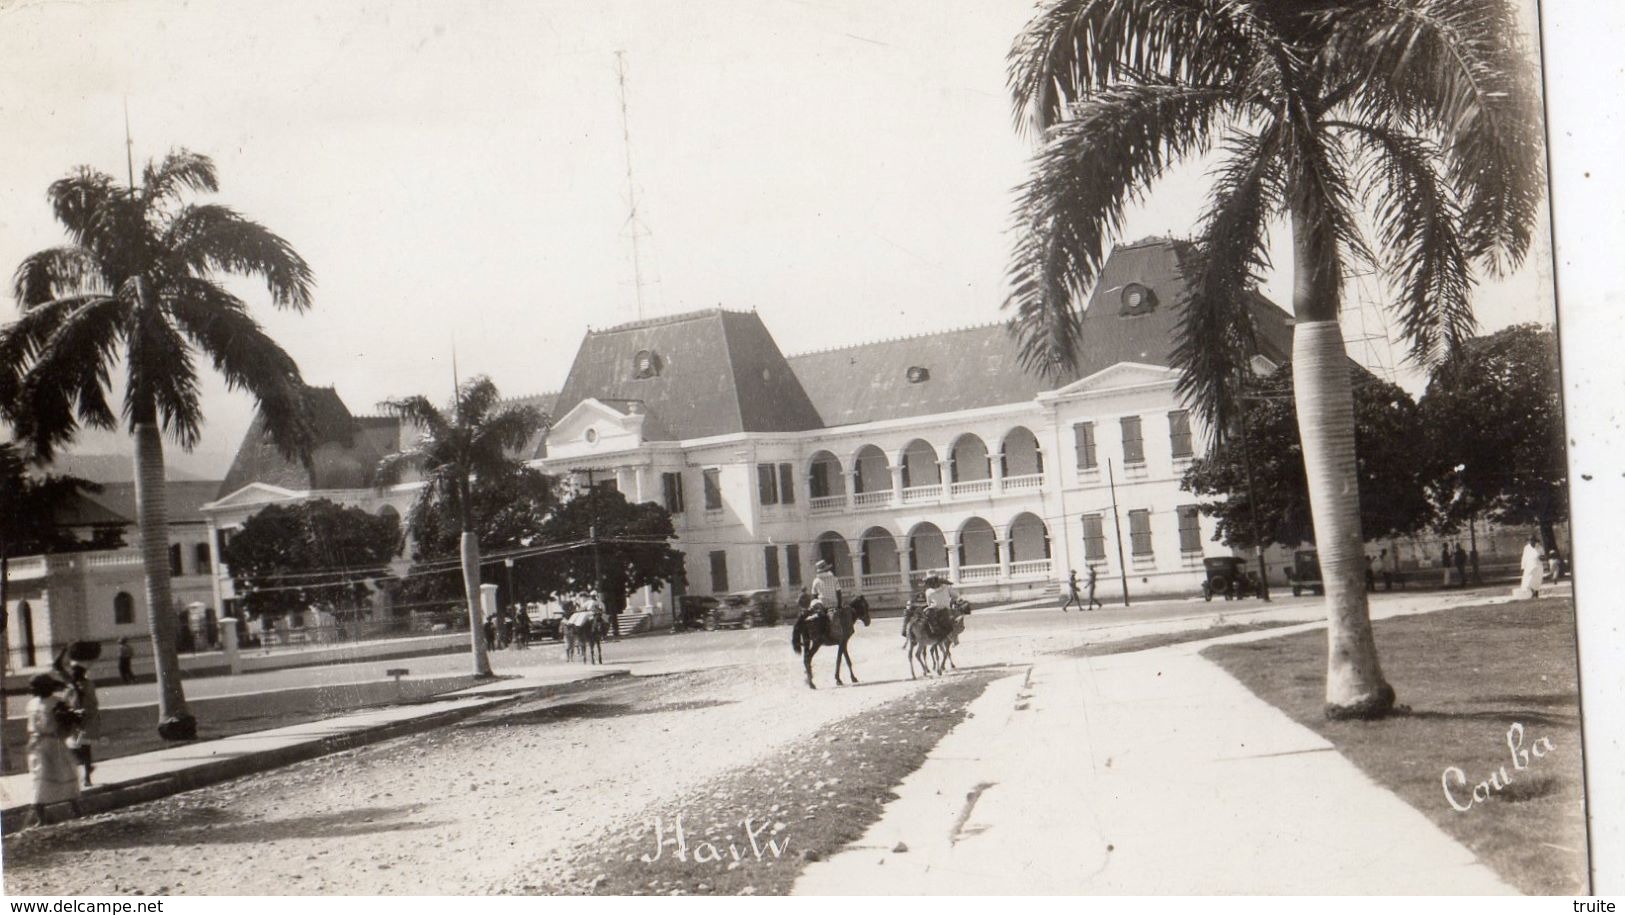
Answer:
(835, 627)
(936, 631)
(587, 636)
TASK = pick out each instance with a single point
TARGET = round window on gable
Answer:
(1137, 300)
(646, 364)
(918, 374)
(591, 436)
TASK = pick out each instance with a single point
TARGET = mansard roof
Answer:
(701, 374)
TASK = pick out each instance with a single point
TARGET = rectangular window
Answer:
(719, 571)
(175, 560)
(713, 489)
(770, 560)
(1139, 532)
(767, 484)
(672, 485)
(201, 551)
(787, 484)
(1133, 444)
(1190, 530)
(792, 564)
(1083, 436)
(1094, 538)
(1179, 433)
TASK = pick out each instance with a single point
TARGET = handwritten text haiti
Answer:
(1499, 778)
(705, 852)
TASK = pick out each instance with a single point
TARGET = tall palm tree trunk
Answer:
(1355, 687)
(470, 548)
(175, 721)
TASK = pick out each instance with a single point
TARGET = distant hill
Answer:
(112, 468)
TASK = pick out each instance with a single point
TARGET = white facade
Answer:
(995, 498)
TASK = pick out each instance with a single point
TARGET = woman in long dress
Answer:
(49, 762)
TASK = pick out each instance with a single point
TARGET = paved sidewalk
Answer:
(127, 780)
(1149, 772)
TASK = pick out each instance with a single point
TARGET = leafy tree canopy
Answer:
(1393, 481)
(1496, 421)
(293, 557)
(634, 546)
(509, 512)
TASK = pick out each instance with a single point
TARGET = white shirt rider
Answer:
(941, 597)
(825, 588)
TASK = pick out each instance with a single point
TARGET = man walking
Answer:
(126, 660)
(1531, 567)
(1073, 597)
(1093, 604)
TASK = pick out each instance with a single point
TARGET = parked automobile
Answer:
(1227, 576)
(744, 609)
(691, 611)
(1304, 573)
(543, 626)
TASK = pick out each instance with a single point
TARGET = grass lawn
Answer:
(1468, 675)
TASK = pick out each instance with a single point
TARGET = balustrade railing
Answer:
(867, 499)
(968, 574)
(1028, 568)
(883, 581)
(971, 488)
(820, 505)
(928, 493)
(1024, 481)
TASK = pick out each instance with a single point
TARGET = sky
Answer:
(455, 173)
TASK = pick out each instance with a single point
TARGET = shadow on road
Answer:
(579, 710)
(197, 826)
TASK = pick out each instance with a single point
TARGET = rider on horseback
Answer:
(940, 597)
(826, 592)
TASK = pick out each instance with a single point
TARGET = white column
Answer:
(1003, 548)
(228, 643)
(897, 482)
(996, 464)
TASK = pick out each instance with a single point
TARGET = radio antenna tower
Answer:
(634, 223)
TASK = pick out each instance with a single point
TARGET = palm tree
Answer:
(137, 286)
(453, 454)
(1425, 109)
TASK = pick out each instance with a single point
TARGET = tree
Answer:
(1427, 109)
(29, 505)
(618, 547)
(292, 557)
(453, 454)
(509, 511)
(1388, 431)
(138, 287)
(1496, 421)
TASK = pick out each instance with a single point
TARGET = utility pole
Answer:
(129, 145)
(1117, 524)
(597, 559)
(634, 225)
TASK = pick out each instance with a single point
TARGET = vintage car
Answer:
(1304, 573)
(1227, 577)
(744, 609)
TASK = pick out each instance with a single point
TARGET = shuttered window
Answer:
(1190, 530)
(1139, 532)
(792, 564)
(1094, 537)
(1179, 433)
(1083, 438)
(1133, 443)
(713, 489)
(672, 485)
(787, 484)
(719, 571)
(770, 562)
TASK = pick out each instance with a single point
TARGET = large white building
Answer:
(892, 459)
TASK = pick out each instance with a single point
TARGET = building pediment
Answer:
(594, 427)
(252, 494)
(1120, 377)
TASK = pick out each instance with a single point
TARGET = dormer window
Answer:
(1137, 300)
(918, 374)
(646, 364)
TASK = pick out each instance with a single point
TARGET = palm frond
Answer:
(1216, 335)
(180, 170)
(1074, 48)
(420, 412)
(86, 203)
(56, 273)
(209, 237)
(66, 384)
(510, 428)
(162, 383)
(392, 467)
(1322, 199)
(221, 327)
(1116, 144)
(1459, 68)
(1418, 221)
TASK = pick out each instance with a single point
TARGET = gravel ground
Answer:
(489, 805)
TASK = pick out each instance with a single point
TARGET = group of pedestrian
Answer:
(62, 730)
(1075, 596)
(509, 629)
